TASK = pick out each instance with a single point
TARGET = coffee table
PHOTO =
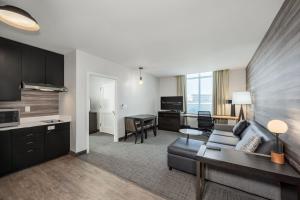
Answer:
(189, 132)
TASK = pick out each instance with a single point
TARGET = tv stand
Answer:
(169, 120)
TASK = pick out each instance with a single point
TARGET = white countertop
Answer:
(37, 121)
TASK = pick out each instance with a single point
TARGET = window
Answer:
(199, 92)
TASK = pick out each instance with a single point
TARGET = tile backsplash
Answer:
(41, 103)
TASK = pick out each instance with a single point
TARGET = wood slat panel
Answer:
(273, 77)
(41, 103)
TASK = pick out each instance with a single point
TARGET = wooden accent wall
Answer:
(273, 77)
(41, 103)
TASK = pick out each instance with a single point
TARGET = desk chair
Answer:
(132, 126)
(205, 121)
(149, 125)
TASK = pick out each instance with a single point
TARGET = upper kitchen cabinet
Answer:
(20, 62)
(10, 70)
(33, 64)
(54, 68)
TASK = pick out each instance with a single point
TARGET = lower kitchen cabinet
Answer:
(57, 140)
(22, 148)
(5, 153)
(28, 147)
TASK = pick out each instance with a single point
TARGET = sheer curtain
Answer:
(181, 89)
(220, 91)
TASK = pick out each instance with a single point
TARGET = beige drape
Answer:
(220, 91)
(181, 89)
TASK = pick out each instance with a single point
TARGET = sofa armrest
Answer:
(223, 127)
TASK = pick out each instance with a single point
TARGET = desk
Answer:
(247, 165)
(142, 119)
(225, 117)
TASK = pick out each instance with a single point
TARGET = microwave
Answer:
(9, 117)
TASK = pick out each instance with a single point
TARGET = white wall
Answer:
(138, 99)
(104, 102)
(67, 99)
(168, 86)
(237, 80)
(96, 82)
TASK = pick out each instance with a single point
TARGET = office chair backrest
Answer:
(205, 120)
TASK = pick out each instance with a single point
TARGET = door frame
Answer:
(116, 134)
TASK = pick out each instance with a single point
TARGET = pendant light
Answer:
(18, 18)
(141, 78)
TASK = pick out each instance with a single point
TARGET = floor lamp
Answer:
(241, 98)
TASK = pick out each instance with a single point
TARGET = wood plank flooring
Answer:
(69, 178)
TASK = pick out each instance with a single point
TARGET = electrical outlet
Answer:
(27, 109)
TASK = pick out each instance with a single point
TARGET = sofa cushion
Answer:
(186, 149)
(249, 144)
(223, 140)
(268, 139)
(224, 133)
(265, 147)
(222, 146)
(223, 127)
(240, 127)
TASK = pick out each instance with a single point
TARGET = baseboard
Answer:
(78, 153)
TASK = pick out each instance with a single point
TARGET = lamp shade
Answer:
(241, 98)
(277, 126)
(18, 18)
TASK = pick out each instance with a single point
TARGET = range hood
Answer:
(43, 87)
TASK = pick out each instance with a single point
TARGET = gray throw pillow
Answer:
(249, 144)
(240, 127)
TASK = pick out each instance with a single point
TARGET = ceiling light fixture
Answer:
(18, 18)
(141, 78)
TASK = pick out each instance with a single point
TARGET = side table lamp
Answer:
(277, 127)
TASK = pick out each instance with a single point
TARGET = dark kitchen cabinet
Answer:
(28, 147)
(10, 70)
(54, 69)
(57, 140)
(5, 153)
(33, 64)
(20, 62)
(22, 148)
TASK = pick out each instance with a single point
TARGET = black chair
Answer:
(150, 124)
(205, 121)
(132, 126)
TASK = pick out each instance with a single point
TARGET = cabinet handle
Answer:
(30, 134)
(30, 150)
(29, 143)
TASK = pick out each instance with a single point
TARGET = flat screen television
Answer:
(171, 103)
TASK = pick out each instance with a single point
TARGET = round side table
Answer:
(189, 132)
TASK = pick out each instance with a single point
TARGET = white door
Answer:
(107, 108)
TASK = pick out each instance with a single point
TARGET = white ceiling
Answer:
(167, 37)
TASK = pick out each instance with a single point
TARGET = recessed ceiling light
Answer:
(18, 18)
